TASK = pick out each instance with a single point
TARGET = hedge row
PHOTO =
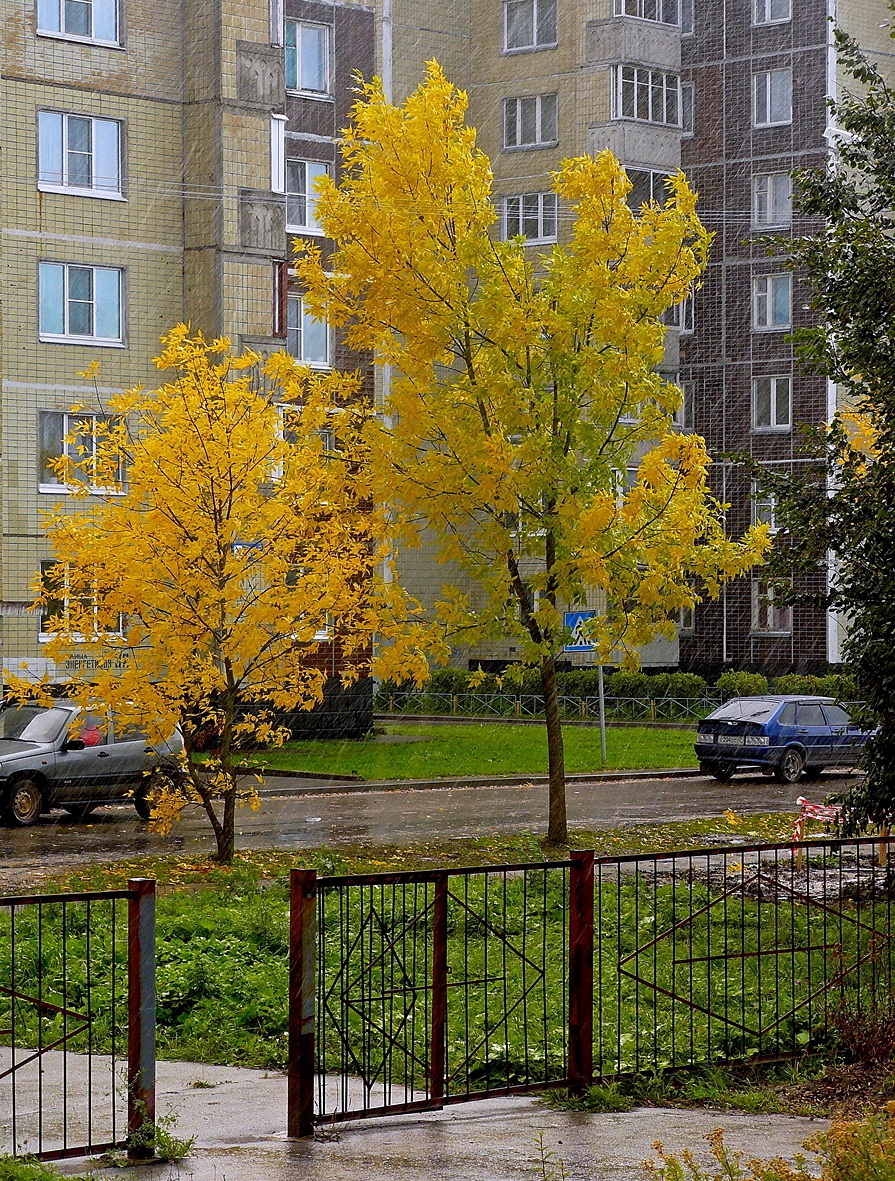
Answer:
(640, 685)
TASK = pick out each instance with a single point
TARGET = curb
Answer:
(309, 789)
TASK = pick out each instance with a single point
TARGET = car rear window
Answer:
(742, 709)
(811, 715)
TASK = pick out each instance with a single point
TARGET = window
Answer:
(529, 121)
(529, 24)
(768, 12)
(771, 199)
(79, 153)
(651, 96)
(278, 153)
(683, 416)
(772, 98)
(772, 301)
(686, 17)
(771, 403)
(307, 338)
(764, 510)
(533, 215)
(81, 304)
(666, 12)
(769, 615)
(686, 619)
(92, 20)
(59, 604)
(300, 196)
(75, 436)
(680, 316)
(646, 185)
(687, 108)
(307, 57)
(810, 714)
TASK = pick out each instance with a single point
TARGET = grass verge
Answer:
(443, 750)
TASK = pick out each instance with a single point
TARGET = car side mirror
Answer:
(73, 744)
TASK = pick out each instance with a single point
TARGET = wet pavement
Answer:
(395, 816)
(238, 1118)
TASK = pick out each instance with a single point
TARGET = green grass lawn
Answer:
(483, 749)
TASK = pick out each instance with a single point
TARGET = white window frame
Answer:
(764, 509)
(64, 598)
(645, 93)
(680, 316)
(771, 191)
(762, 92)
(309, 225)
(761, 13)
(298, 88)
(278, 153)
(764, 299)
(536, 21)
(776, 383)
(682, 418)
(768, 619)
(64, 184)
(686, 620)
(67, 337)
(513, 110)
(292, 299)
(638, 9)
(544, 201)
(657, 186)
(688, 126)
(51, 17)
(70, 419)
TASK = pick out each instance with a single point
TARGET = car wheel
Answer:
(79, 811)
(24, 803)
(814, 772)
(143, 802)
(790, 767)
(723, 772)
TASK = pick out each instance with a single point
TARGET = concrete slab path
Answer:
(238, 1116)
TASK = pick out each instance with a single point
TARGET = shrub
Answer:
(623, 684)
(740, 684)
(684, 685)
(849, 1150)
(838, 685)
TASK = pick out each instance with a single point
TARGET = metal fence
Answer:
(77, 1021)
(412, 991)
(529, 705)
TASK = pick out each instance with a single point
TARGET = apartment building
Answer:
(735, 92)
(157, 162)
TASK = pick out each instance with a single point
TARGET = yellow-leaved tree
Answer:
(526, 426)
(224, 555)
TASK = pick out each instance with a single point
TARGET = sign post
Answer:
(580, 641)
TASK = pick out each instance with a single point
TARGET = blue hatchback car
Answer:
(784, 736)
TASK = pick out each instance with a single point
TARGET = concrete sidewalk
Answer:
(238, 1118)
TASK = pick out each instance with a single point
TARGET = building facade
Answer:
(157, 160)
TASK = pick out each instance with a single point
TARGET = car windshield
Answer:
(742, 709)
(32, 723)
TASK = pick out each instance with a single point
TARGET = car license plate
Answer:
(730, 739)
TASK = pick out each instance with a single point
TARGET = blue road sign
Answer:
(575, 621)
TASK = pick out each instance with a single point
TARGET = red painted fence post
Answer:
(302, 980)
(140, 1016)
(581, 971)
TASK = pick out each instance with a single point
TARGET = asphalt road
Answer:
(303, 822)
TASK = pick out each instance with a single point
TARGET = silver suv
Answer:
(62, 757)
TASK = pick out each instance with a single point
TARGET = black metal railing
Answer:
(77, 1031)
(415, 990)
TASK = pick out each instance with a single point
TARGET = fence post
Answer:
(302, 979)
(141, 1017)
(439, 990)
(581, 970)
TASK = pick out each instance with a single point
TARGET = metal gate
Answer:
(409, 991)
(77, 1021)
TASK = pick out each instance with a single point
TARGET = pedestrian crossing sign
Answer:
(576, 622)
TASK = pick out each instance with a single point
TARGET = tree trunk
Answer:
(227, 840)
(557, 830)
